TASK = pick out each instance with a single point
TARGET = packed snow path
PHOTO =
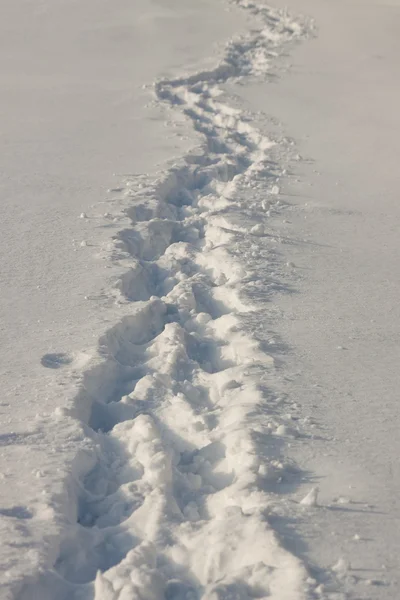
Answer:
(183, 419)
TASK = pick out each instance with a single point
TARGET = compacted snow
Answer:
(175, 357)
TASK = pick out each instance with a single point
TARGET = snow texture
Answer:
(342, 326)
(178, 423)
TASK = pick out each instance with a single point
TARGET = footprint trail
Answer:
(186, 448)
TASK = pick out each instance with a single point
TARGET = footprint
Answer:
(55, 360)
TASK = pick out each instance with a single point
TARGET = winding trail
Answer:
(184, 414)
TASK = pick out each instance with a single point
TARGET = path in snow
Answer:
(182, 471)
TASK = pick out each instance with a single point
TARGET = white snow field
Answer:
(339, 100)
(140, 429)
(200, 366)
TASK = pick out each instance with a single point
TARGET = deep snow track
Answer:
(184, 412)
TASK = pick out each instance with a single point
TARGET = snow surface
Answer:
(339, 100)
(139, 468)
(173, 389)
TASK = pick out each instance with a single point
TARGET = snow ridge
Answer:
(182, 410)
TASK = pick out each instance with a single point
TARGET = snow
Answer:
(337, 97)
(145, 450)
(311, 499)
(73, 110)
(172, 386)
